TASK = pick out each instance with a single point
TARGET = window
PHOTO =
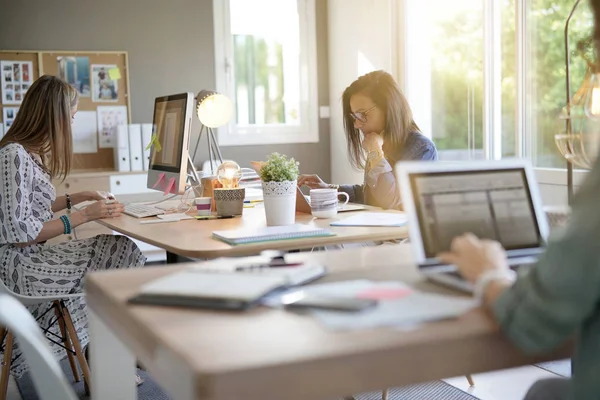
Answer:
(546, 71)
(445, 85)
(486, 78)
(266, 63)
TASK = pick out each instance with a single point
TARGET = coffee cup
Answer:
(324, 202)
(203, 205)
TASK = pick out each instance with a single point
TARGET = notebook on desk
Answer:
(208, 290)
(225, 284)
(270, 233)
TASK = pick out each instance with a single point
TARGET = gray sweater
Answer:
(380, 188)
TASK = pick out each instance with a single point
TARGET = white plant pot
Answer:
(280, 202)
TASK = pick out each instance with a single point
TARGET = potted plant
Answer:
(279, 175)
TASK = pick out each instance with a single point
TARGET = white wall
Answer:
(362, 38)
(553, 185)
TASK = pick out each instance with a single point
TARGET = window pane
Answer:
(509, 79)
(546, 72)
(445, 74)
(266, 51)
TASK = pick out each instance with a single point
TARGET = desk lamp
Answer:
(229, 198)
(214, 110)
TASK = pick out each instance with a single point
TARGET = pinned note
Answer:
(161, 176)
(170, 186)
(154, 142)
(114, 74)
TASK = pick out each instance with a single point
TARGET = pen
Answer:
(253, 201)
(159, 221)
(200, 217)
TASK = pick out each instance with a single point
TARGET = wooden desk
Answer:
(273, 354)
(192, 238)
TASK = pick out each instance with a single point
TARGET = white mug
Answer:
(324, 202)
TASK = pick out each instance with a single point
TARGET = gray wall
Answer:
(171, 50)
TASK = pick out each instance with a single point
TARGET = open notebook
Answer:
(225, 284)
(270, 233)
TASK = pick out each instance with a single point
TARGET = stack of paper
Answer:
(399, 305)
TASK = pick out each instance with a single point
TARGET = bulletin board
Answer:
(102, 80)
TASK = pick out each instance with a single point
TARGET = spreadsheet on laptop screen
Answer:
(492, 204)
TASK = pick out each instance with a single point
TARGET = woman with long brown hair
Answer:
(36, 149)
(380, 131)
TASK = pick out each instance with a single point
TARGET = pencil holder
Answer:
(229, 201)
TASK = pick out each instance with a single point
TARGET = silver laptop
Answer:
(496, 200)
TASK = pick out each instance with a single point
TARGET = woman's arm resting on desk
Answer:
(61, 201)
(54, 228)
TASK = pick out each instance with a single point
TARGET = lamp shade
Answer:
(214, 109)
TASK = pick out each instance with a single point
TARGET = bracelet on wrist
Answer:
(69, 203)
(66, 223)
(333, 186)
(487, 278)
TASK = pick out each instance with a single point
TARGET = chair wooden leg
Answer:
(470, 379)
(77, 345)
(385, 393)
(8, 350)
(66, 341)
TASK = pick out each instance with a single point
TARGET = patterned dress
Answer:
(26, 198)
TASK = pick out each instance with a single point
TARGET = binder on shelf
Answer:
(146, 139)
(136, 150)
(121, 150)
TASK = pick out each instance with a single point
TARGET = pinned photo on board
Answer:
(15, 78)
(103, 87)
(109, 118)
(8, 116)
(76, 71)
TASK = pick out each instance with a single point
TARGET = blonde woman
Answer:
(36, 149)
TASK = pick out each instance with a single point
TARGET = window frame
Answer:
(524, 134)
(308, 129)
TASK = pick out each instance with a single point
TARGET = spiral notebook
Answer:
(270, 233)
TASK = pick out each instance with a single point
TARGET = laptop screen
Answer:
(492, 204)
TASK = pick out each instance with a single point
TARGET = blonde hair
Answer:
(43, 124)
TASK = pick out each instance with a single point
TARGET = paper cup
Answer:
(203, 205)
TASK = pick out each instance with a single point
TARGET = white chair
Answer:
(68, 337)
(47, 376)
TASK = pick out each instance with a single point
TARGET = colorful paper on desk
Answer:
(373, 219)
(414, 308)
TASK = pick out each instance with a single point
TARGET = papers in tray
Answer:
(373, 219)
(269, 233)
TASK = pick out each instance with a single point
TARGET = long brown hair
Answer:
(380, 87)
(43, 124)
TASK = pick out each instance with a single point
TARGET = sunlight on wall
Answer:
(363, 65)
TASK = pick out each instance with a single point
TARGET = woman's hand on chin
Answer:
(312, 181)
(372, 142)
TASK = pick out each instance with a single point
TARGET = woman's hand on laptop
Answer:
(473, 257)
(312, 181)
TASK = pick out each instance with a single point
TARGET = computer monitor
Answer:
(172, 122)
